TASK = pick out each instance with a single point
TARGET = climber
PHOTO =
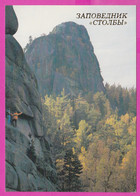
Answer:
(15, 118)
(8, 116)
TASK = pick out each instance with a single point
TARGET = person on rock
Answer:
(9, 116)
(15, 118)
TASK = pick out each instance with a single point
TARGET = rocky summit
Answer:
(65, 59)
(29, 165)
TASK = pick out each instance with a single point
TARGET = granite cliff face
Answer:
(22, 173)
(65, 59)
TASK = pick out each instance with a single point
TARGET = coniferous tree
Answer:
(104, 140)
(28, 44)
(71, 172)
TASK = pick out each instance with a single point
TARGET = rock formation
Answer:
(22, 173)
(65, 59)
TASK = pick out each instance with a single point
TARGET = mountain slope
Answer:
(65, 59)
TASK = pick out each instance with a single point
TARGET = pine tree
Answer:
(71, 172)
(76, 178)
(28, 44)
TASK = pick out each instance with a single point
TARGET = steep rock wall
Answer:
(22, 173)
(65, 59)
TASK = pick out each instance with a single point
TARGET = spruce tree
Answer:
(71, 172)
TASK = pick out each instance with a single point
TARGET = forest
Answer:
(93, 139)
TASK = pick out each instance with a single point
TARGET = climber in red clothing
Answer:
(15, 118)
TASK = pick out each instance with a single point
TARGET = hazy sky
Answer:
(114, 46)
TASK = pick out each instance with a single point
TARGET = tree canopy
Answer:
(94, 139)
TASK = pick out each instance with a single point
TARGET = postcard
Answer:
(69, 94)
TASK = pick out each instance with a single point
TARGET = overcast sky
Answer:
(114, 46)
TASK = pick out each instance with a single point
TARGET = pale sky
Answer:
(114, 46)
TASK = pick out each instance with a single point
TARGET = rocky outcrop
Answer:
(65, 59)
(22, 173)
(11, 22)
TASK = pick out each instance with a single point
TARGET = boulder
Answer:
(11, 22)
